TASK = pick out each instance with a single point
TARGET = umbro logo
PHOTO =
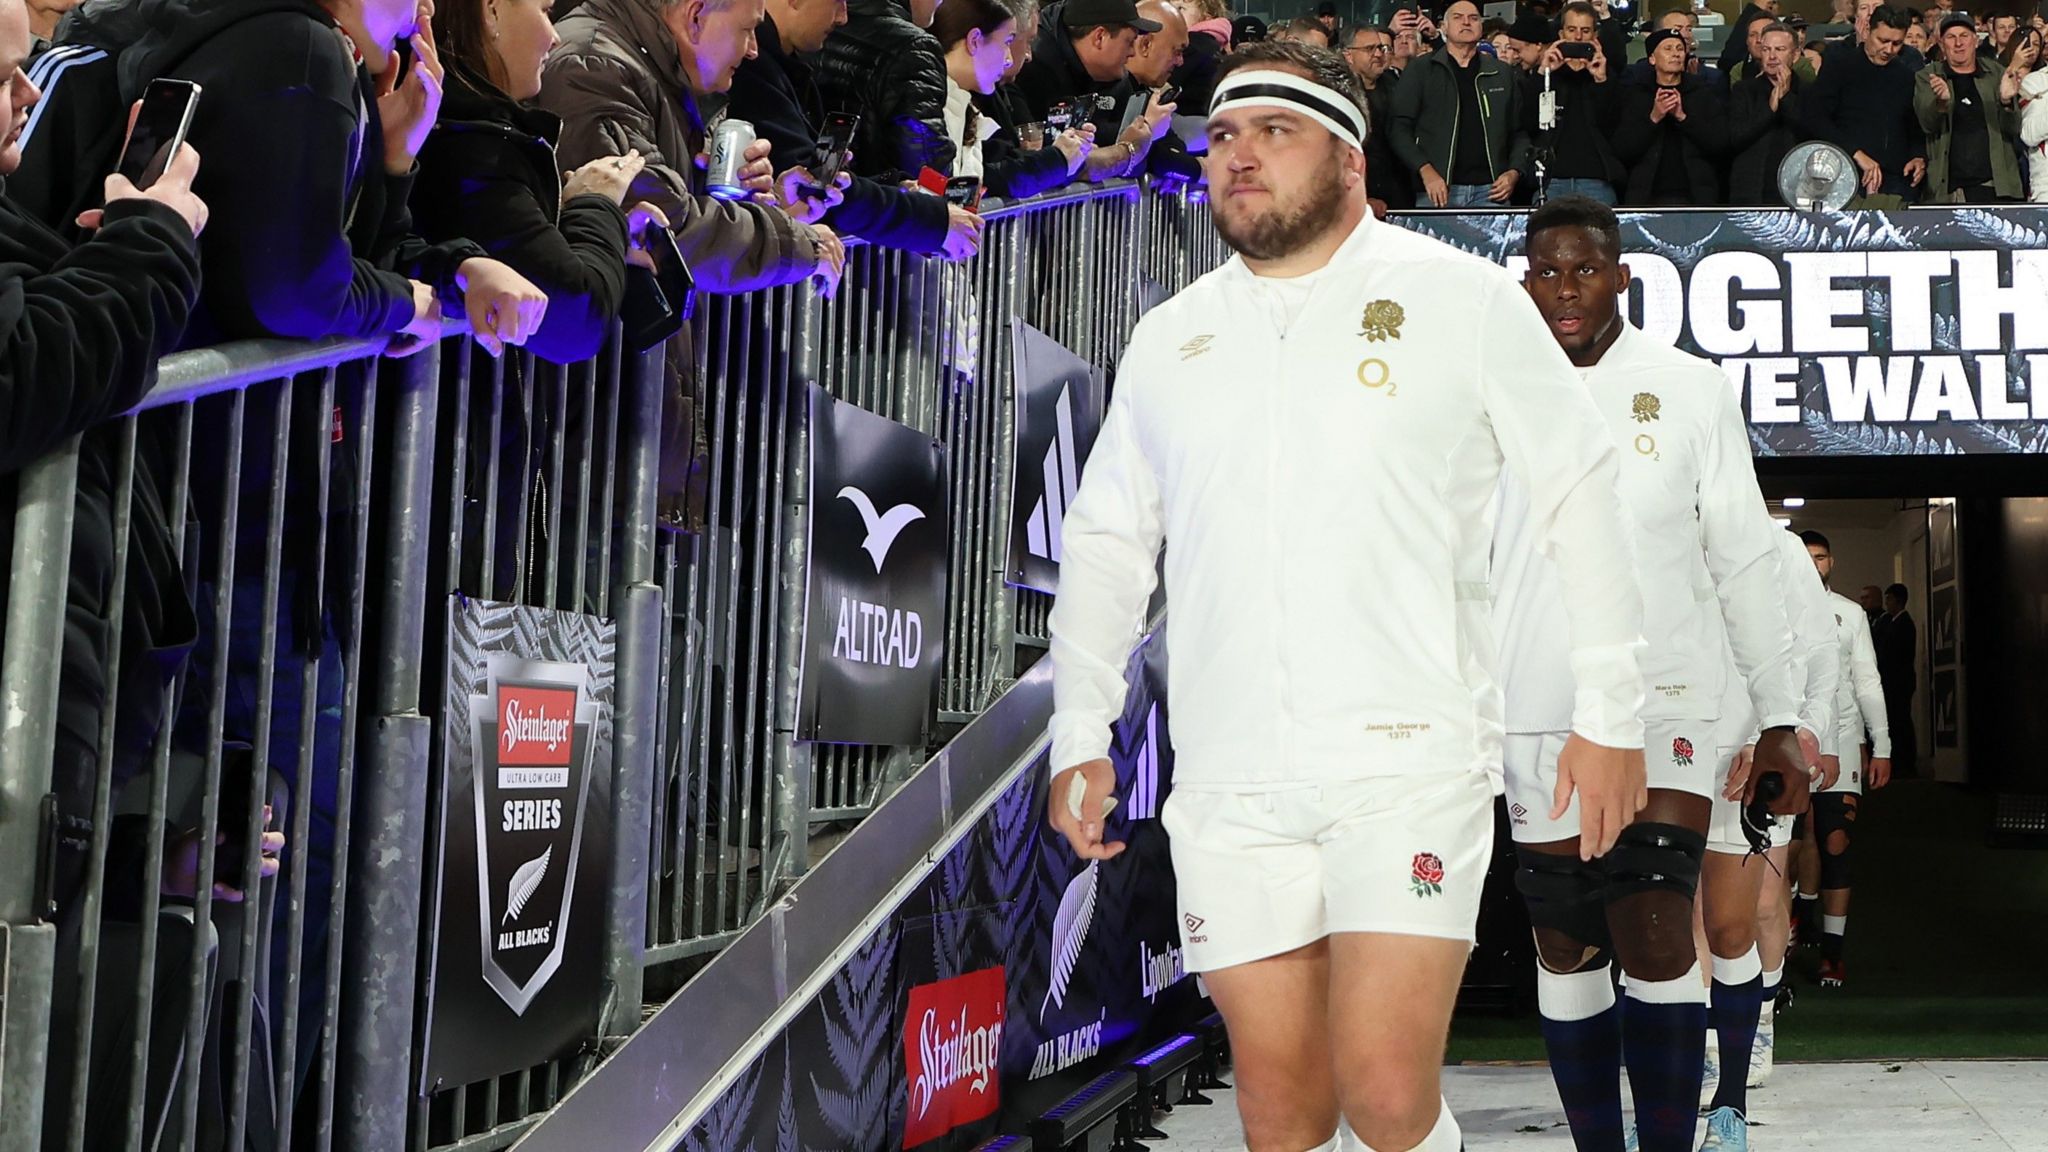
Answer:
(1195, 347)
(1194, 922)
(882, 527)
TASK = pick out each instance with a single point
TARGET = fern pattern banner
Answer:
(1089, 962)
(523, 842)
(1916, 332)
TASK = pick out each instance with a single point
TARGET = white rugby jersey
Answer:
(1325, 488)
(1703, 546)
(1859, 694)
(1812, 637)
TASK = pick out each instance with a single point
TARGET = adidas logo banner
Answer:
(1059, 413)
(875, 618)
(525, 837)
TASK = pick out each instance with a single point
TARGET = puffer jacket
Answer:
(617, 83)
(891, 72)
(2034, 133)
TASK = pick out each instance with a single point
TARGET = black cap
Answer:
(1114, 13)
(1957, 20)
(1530, 28)
(1247, 30)
(1326, 8)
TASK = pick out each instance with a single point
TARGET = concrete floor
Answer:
(1916, 1106)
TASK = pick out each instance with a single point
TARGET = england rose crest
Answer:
(1681, 752)
(1426, 876)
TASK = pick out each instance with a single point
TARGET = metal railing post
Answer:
(29, 672)
(637, 597)
(794, 761)
(374, 1073)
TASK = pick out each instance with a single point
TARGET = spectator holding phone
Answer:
(885, 67)
(1586, 99)
(1147, 84)
(1969, 108)
(777, 92)
(1015, 166)
(1672, 135)
(1082, 49)
(487, 173)
(1460, 119)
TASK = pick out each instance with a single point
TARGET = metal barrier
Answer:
(321, 504)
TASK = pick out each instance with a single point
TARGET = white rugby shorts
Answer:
(1677, 754)
(1724, 830)
(1261, 874)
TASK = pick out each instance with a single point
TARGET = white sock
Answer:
(1740, 970)
(1834, 925)
(1687, 989)
(1571, 996)
(1445, 1137)
(1333, 1144)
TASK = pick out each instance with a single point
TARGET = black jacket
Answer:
(1703, 135)
(1582, 145)
(778, 94)
(1055, 74)
(1386, 178)
(1196, 76)
(83, 327)
(1007, 170)
(1736, 50)
(320, 242)
(1168, 158)
(1759, 139)
(1423, 131)
(488, 173)
(1858, 106)
(892, 73)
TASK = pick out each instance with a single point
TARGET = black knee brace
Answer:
(1834, 812)
(1566, 896)
(1651, 857)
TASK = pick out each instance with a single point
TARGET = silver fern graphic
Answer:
(525, 882)
(1069, 933)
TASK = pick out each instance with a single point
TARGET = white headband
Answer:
(1272, 88)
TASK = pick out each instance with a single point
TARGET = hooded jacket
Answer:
(1424, 130)
(489, 173)
(890, 71)
(292, 149)
(777, 92)
(1056, 75)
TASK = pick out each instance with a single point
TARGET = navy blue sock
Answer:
(1664, 1041)
(1582, 1031)
(1736, 1007)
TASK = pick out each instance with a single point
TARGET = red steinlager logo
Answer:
(1427, 875)
(952, 1046)
(536, 724)
(1681, 751)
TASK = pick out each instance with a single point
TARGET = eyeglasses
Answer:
(1371, 48)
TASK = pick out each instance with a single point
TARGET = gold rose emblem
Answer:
(1383, 320)
(1647, 408)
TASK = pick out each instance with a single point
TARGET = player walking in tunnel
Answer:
(1320, 434)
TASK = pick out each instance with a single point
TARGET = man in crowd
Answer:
(1369, 52)
(1673, 133)
(1010, 168)
(1576, 140)
(1682, 21)
(1741, 45)
(1753, 54)
(1764, 123)
(1082, 52)
(1304, 30)
(1898, 665)
(1968, 106)
(627, 75)
(1331, 828)
(1863, 104)
(1151, 68)
(1872, 599)
(1859, 708)
(1460, 123)
(1697, 521)
(1528, 36)
(777, 92)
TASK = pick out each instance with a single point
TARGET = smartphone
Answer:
(964, 192)
(1059, 118)
(1169, 95)
(1133, 108)
(160, 128)
(1574, 50)
(833, 144)
(660, 302)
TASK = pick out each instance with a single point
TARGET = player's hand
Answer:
(1612, 787)
(1830, 771)
(1880, 773)
(1433, 186)
(1809, 749)
(1739, 772)
(1079, 817)
(1780, 752)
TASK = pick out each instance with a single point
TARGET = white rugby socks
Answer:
(1445, 1137)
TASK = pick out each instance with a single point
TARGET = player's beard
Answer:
(1286, 228)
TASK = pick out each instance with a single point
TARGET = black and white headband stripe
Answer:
(1276, 89)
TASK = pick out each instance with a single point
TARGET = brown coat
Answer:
(617, 82)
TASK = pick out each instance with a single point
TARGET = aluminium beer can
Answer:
(729, 143)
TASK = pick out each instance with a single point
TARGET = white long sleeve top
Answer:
(1815, 642)
(1704, 548)
(1321, 455)
(1859, 694)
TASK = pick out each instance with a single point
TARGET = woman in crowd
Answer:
(1012, 166)
(2023, 59)
(977, 37)
(488, 174)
